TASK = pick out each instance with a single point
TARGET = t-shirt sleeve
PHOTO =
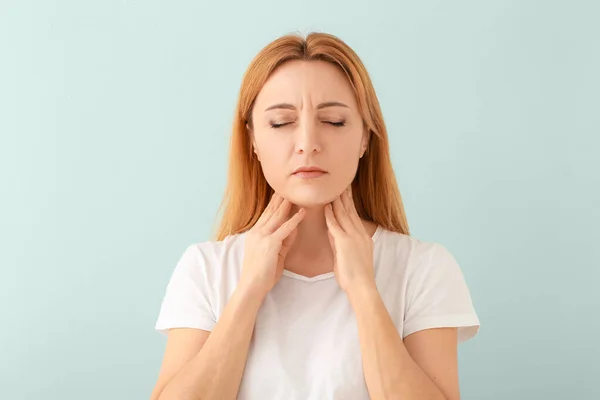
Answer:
(186, 303)
(438, 296)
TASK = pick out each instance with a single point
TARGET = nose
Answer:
(307, 138)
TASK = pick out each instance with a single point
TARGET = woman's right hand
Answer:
(267, 244)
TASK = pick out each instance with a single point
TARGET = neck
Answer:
(311, 254)
(312, 237)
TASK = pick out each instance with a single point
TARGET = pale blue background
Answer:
(114, 124)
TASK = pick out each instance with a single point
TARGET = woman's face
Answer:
(306, 117)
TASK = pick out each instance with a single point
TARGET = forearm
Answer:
(216, 371)
(390, 372)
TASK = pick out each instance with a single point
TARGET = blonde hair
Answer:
(375, 189)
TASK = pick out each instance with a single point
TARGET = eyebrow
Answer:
(288, 106)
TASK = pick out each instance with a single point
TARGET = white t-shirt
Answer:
(305, 343)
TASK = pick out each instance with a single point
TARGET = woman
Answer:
(314, 288)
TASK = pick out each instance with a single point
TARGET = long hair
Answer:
(374, 187)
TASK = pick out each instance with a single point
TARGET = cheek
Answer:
(273, 163)
(347, 166)
(346, 156)
(274, 160)
(342, 161)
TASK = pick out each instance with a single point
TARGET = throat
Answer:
(310, 264)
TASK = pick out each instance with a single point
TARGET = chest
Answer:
(305, 345)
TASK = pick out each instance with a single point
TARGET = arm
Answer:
(424, 365)
(213, 370)
(390, 370)
(216, 370)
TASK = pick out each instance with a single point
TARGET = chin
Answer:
(310, 197)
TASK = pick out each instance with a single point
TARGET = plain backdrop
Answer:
(115, 118)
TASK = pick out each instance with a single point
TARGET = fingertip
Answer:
(300, 214)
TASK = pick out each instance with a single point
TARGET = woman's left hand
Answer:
(352, 246)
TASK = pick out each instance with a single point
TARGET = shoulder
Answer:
(205, 264)
(435, 293)
(413, 255)
(216, 248)
(406, 245)
(213, 256)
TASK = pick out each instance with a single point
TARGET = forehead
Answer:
(298, 82)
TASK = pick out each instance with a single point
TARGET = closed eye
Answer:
(275, 126)
(332, 123)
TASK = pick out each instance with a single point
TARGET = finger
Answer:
(278, 217)
(331, 241)
(288, 242)
(331, 221)
(274, 203)
(332, 244)
(286, 229)
(341, 215)
(348, 202)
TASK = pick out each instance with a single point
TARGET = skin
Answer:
(310, 227)
(311, 136)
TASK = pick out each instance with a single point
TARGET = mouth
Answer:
(309, 172)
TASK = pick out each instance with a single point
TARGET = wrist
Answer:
(250, 291)
(358, 293)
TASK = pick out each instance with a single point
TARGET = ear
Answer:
(365, 143)
(253, 141)
(255, 151)
(363, 150)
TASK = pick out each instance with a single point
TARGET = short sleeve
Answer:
(438, 296)
(186, 303)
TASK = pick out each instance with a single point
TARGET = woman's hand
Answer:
(267, 244)
(352, 246)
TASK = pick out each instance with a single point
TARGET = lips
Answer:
(309, 172)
